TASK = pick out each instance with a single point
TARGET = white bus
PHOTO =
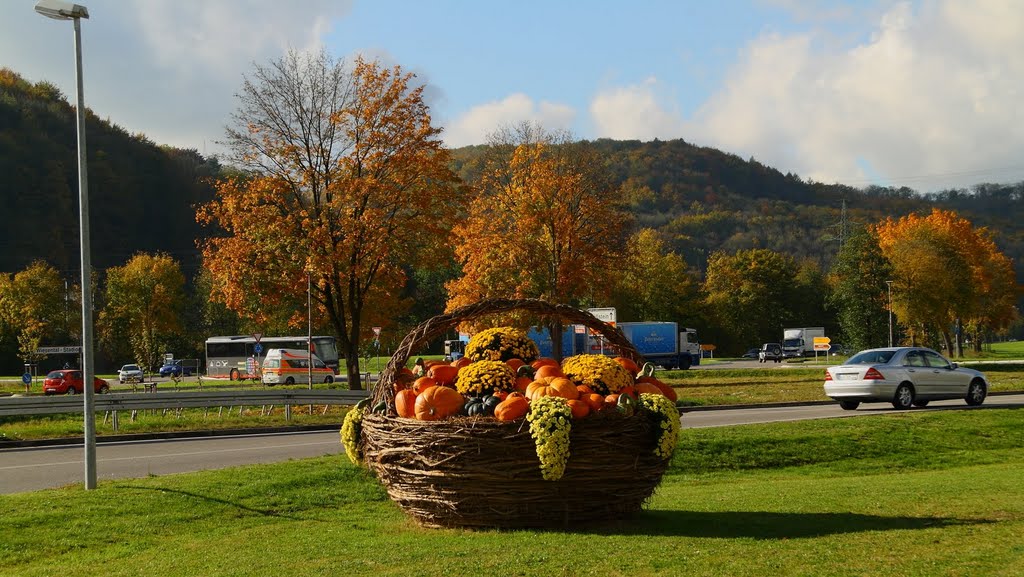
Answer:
(228, 356)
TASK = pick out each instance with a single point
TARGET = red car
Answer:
(69, 382)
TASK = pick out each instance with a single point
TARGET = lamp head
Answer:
(61, 10)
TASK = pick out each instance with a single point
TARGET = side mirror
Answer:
(952, 366)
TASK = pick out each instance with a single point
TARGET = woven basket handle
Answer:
(434, 327)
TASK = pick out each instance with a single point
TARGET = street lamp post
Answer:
(888, 284)
(60, 10)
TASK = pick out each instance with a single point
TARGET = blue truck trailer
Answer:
(664, 343)
(661, 343)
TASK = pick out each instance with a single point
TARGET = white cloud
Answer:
(165, 68)
(474, 126)
(932, 99)
(634, 112)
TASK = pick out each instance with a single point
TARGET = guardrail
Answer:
(178, 400)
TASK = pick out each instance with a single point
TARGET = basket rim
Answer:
(436, 326)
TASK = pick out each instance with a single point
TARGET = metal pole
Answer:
(309, 326)
(83, 201)
(888, 284)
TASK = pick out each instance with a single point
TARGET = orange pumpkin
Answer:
(405, 403)
(543, 361)
(443, 374)
(648, 388)
(628, 364)
(628, 390)
(611, 401)
(522, 383)
(665, 389)
(402, 382)
(584, 390)
(405, 371)
(423, 383)
(437, 403)
(579, 408)
(548, 371)
(513, 407)
(514, 364)
(552, 387)
(463, 361)
(594, 401)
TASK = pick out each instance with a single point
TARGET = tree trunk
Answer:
(352, 366)
(947, 342)
(556, 341)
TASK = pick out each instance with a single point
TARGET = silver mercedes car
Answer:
(903, 376)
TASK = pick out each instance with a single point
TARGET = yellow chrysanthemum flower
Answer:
(550, 422)
(501, 344)
(601, 373)
(351, 428)
(667, 415)
(485, 377)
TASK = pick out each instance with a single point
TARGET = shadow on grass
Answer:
(765, 525)
(209, 499)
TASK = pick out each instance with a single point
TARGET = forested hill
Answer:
(141, 195)
(708, 200)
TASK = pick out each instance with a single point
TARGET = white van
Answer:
(290, 366)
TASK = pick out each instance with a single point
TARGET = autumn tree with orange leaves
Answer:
(947, 272)
(346, 179)
(546, 222)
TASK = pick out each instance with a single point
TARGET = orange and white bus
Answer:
(228, 356)
(291, 366)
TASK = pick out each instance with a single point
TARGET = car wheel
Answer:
(234, 374)
(684, 363)
(329, 379)
(921, 404)
(104, 389)
(849, 405)
(976, 393)
(71, 391)
(289, 381)
(904, 397)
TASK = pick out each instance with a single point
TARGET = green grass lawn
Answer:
(931, 493)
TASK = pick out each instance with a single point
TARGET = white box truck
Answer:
(800, 342)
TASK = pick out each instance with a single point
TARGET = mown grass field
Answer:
(917, 494)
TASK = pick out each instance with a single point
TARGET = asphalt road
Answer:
(31, 469)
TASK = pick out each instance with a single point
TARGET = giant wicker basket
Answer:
(479, 472)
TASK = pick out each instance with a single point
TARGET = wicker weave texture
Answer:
(477, 472)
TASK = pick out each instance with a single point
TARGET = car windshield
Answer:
(55, 375)
(130, 368)
(871, 358)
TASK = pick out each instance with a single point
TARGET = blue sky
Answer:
(924, 93)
